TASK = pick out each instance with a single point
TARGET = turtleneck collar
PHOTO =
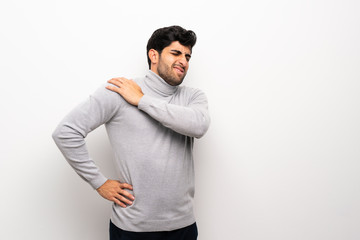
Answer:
(158, 85)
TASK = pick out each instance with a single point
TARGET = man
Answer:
(151, 123)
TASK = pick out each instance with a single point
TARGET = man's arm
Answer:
(192, 120)
(70, 135)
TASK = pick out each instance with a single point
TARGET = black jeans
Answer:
(186, 233)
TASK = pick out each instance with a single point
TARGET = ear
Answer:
(154, 56)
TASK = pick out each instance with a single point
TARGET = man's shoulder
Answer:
(190, 95)
(103, 92)
(191, 91)
(106, 97)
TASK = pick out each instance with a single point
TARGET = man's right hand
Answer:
(114, 191)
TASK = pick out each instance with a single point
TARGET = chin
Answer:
(174, 83)
(179, 80)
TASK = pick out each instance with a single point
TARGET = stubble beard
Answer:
(167, 73)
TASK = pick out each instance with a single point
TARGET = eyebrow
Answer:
(179, 52)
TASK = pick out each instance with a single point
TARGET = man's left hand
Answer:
(127, 88)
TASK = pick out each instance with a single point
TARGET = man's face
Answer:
(174, 63)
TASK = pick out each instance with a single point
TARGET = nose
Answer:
(182, 60)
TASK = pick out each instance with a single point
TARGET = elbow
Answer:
(60, 134)
(202, 129)
(56, 135)
(67, 136)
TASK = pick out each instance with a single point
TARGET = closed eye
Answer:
(178, 53)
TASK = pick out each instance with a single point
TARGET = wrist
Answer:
(139, 99)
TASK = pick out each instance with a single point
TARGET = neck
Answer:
(158, 85)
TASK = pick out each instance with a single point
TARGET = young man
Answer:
(151, 123)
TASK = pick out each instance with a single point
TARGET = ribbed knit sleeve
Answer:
(70, 134)
(191, 119)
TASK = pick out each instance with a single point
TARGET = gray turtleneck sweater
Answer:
(153, 146)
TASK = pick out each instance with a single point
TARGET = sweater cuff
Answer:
(144, 102)
(98, 181)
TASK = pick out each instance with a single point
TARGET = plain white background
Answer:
(281, 158)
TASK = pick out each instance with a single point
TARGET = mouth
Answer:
(179, 69)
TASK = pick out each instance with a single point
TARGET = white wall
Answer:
(281, 159)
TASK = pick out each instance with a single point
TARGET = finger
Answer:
(123, 79)
(119, 80)
(116, 81)
(126, 185)
(127, 194)
(118, 202)
(124, 200)
(113, 88)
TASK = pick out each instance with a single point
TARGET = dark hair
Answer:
(163, 37)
